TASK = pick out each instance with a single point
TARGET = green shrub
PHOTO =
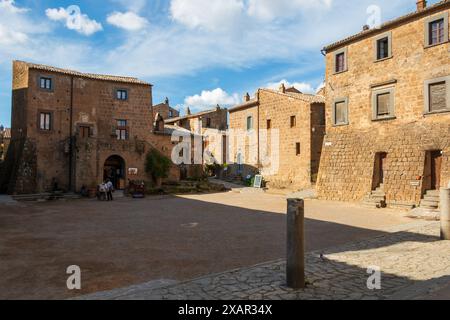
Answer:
(157, 165)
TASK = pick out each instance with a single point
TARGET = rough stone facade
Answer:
(5, 140)
(199, 122)
(297, 120)
(165, 110)
(84, 111)
(348, 164)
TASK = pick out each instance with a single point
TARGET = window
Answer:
(383, 46)
(293, 121)
(170, 113)
(208, 122)
(45, 83)
(297, 148)
(45, 121)
(436, 30)
(383, 103)
(122, 94)
(340, 112)
(269, 124)
(437, 95)
(85, 132)
(340, 60)
(122, 130)
(249, 123)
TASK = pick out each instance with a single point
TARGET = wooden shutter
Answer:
(438, 94)
(383, 102)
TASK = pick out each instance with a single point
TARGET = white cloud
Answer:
(129, 20)
(269, 9)
(10, 6)
(212, 98)
(301, 86)
(212, 15)
(10, 37)
(74, 20)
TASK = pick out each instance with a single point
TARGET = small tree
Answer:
(157, 166)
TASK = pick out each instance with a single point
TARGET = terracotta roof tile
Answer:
(86, 75)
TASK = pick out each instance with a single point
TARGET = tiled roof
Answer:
(86, 75)
(309, 98)
(431, 9)
(191, 116)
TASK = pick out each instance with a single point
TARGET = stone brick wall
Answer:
(94, 105)
(294, 171)
(348, 159)
(164, 110)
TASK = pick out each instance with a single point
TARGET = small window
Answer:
(46, 83)
(383, 103)
(269, 124)
(170, 114)
(122, 130)
(340, 62)
(293, 121)
(340, 112)
(45, 121)
(297, 148)
(122, 94)
(438, 95)
(249, 123)
(208, 122)
(436, 30)
(383, 48)
(85, 132)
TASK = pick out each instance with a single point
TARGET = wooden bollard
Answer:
(445, 214)
(295, 269)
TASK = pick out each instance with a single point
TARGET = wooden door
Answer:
(379, 170)
(436, 164)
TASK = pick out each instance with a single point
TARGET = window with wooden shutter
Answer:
(383, 48)
(340, 62)
(436, 32)
(438, 96)
(383, 104)
(436, 29)
(341, 112)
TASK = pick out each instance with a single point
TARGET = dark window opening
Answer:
(297, 149)
(340, 62)
(383, 48)
(293, 121)
(269, 124)
(85, 132)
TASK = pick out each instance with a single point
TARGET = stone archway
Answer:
(114, 170)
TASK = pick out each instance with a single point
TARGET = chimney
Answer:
(188, 111)
(166, 101)
(246, 97)
(282, 88)
(366, 27)
(421, 5)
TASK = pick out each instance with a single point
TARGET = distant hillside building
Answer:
(284, 126)
(73, 129)
(388, 112)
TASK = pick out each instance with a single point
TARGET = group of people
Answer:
(105, 191)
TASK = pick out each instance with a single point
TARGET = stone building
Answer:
(5, 140)
(279, 134)
(210, 126)
(388, 112)
(73, 129)
(165, 110)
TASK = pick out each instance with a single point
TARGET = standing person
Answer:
(109, 190)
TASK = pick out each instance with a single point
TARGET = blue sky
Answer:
(196, 52)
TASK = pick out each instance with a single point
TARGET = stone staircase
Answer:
(430, 200)
(375, 199)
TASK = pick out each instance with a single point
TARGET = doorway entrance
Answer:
(379, 170)
(433, 165)
(114, 170)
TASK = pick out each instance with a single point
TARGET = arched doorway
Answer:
(114, 170)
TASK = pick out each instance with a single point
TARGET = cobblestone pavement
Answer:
(413, 262)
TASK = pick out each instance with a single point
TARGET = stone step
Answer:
(429, 204)
(432, 193)
(432, 198)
